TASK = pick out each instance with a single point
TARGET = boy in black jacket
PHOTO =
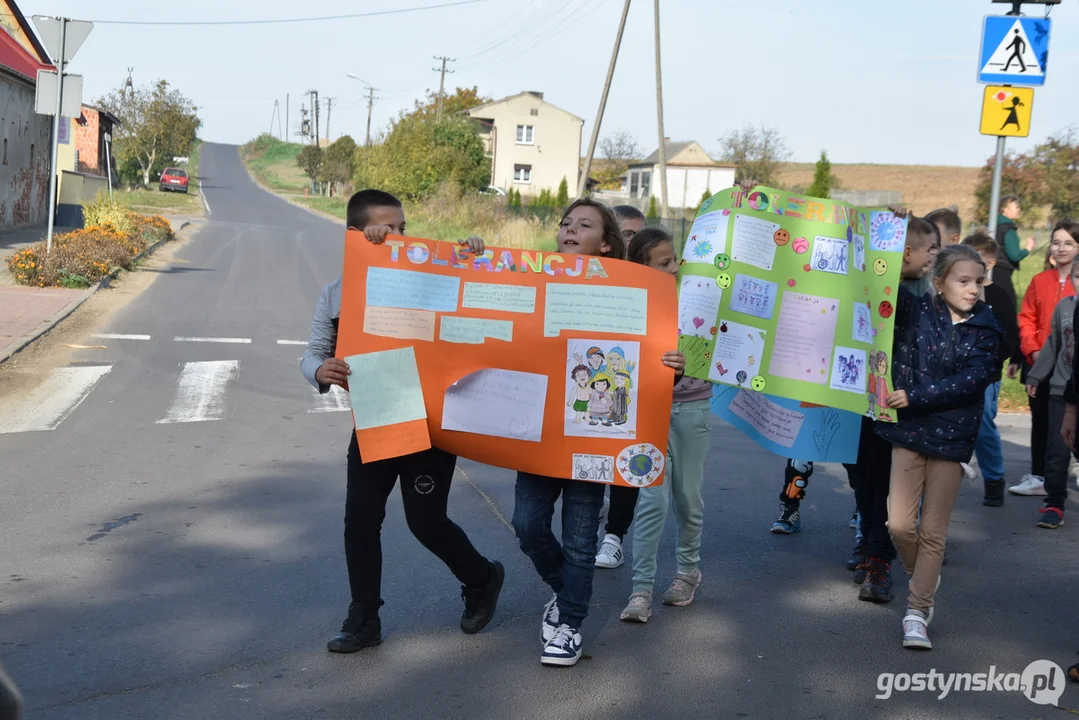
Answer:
(988, 448)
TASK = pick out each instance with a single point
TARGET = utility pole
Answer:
(370, 104)
(583, 184)
(662, 138)
(289, 131)
(441, 83)
(329, 110)
(314, 113)
(276, 115)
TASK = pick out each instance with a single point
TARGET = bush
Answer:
(83, 257)
(104, 211)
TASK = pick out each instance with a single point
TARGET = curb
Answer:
(294, 203)
(14, 347)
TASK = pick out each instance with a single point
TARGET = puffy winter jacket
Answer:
(944, 368)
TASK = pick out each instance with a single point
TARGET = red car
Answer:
(174, 179)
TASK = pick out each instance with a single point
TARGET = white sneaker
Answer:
(610, 552)
(549, 625)
(914, 631)
(1029, 485)
(564, 649)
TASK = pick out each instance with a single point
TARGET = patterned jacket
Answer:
(945, 369)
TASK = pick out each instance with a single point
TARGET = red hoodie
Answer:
(1036, 315)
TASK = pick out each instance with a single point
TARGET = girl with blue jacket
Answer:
(945, 355)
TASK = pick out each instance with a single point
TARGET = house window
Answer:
(633, 186)
(522, 173)
(525, 134)
(646, 184)
(534, 112)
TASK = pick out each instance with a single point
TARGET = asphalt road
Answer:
(159, 567)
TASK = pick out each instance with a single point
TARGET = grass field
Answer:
(151, 201)
(273, 162)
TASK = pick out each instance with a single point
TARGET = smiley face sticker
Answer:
(800, 245)
(880, 266)
(722, 261)
(781, 237)
(758, 383)
(723, 280)
(885, 309)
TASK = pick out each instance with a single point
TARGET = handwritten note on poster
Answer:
(707, 238)
(388, 287)
(849, 370)
(698, 306)
(495, 296)
(385, 388)
(738, 353)
(753, 296)
(474, 331)
(777, 424)
(804, 338)
(863, 324)
(595, 308)
(754, 241)
(399, 323)
(500, 403)
(830, 255)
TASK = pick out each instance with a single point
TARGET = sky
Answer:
(869, 82)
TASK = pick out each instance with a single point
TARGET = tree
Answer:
(515, 198)
(156, 123)
(461, 100)
(823, 179)
(619, 149)
(1057, 160)
(652, 215)
(562, 199)
(310, 160)
(1019, 177)
(338, 161)
(756, 152)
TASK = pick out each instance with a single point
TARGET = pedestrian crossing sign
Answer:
(1015, 50)
(1006, 111)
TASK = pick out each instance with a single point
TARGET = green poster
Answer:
(792, 296)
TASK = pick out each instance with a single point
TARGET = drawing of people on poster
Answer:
(601, 388)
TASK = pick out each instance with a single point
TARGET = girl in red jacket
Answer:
(1035, 320)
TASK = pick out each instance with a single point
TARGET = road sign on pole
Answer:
(1015, 50)
(45, 96)
(75, 33)
(1006, 111)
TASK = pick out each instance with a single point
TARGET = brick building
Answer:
(90, 131)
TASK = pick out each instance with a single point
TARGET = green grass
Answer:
(151, 200)
(273, 162)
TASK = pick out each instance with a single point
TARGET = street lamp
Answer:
(370, 103)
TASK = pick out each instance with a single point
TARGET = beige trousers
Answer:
(936, 483)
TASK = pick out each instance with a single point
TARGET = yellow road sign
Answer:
(1006, 111)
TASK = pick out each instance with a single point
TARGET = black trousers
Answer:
(1039, 430)
(1002, 277)
(1057, 456)
(425, 489)
(620, 514)
(870, 478)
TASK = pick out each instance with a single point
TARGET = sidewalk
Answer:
(27, 313)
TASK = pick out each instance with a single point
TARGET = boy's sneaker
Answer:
(789, 522)
(356, 633)
(610, 552)
(549, 624)
(1050, 518)
(1029, 485)
(638, 609)
(878, 582)
(854, 520)
(681, 591)
(914, 630)
(564, 649)
(480, 603)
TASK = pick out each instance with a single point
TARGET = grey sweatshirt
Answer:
(688, 389)
(1055, 359)
(323, 342)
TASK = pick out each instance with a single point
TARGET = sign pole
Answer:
(53, 173)
(994, 197)
(108, 160)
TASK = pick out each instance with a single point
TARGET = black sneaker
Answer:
(356, 633)
(857, 557)
(789, 522)
(878, 582)
(994, 493)
(480, 603)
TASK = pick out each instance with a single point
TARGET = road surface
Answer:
(170, 538)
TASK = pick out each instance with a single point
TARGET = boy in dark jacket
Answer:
(988, 448)
(946, 349)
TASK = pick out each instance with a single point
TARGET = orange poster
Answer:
(527, 360)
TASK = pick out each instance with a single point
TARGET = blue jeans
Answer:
(567, 567)
(988, 448)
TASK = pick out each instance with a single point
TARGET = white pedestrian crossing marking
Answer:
(120, 336)
(52, 401)
(200, 391)
(336, 400)
(292, 342)
(238, 341)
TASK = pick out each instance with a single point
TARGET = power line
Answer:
(279, 21)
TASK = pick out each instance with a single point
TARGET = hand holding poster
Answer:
(533, 361)
(792, 296)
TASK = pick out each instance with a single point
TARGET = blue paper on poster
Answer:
(413, 290)
(788, 429)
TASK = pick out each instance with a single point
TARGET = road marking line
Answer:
(238, 341)
(52, 401)
(205, 202)
(200, 391)
(120, 336)
(336, 400)
(292, 342)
